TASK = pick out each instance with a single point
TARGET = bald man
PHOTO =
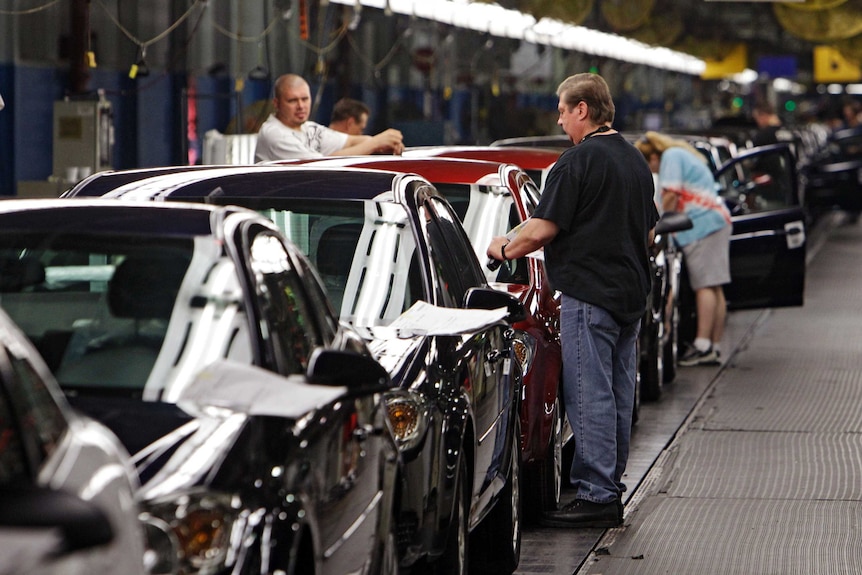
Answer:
(288, 133)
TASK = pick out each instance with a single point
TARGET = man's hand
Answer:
(389, 141)
(494, 248)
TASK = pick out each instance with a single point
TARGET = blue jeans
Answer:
(599, 375)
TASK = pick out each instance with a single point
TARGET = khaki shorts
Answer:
(708, 260)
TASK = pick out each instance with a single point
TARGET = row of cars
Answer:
(312, 371)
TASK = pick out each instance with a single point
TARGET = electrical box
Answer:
(83, 138)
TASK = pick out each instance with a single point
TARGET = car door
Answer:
(350, 445)
(483, 351)
(768, 244)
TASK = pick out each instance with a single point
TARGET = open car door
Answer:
(767, 247)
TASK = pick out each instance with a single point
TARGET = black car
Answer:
(389, 247)
(204, 341)
(832, 175)
(769, 238)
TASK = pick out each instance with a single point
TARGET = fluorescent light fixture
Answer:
(506, 23)
(785, 85)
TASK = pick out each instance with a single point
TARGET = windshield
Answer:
(113, 315)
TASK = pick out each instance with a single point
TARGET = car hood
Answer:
(398, 356)
(176, 447)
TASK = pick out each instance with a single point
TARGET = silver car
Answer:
(67, 488)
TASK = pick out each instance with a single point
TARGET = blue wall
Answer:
(145, 116)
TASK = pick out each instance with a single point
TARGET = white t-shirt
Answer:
(275, 141)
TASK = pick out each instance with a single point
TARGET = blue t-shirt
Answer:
(697, 191)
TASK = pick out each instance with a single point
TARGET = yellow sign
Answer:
(734, 63)
(831, 66)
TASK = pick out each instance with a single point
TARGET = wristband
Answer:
(503, 252)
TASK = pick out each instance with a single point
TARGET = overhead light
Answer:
(506, 23)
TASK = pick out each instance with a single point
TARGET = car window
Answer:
(452, 256)
(286, 321)
(760, 182)
(97, 309)
(320, 304)
(364, 251)
(486, 212)
(850, 147)
(529, 195)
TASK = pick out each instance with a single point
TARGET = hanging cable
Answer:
(29, 10)
(376, 67)
(144, 43)
(243, 38)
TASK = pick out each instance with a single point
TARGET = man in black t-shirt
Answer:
(595, 220)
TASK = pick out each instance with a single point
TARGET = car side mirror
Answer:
(673, 222)
(82, 523)
(488, 298)
(346, 368)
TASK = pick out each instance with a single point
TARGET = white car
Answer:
(66, 484)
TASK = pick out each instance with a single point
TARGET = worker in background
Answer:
(288, 133)
(688, 185)
(350, 116)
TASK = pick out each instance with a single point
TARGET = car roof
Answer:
(547, 141)
(102, 182)
(109, 216)
(261, 181)
(436, 169)
(528, 158)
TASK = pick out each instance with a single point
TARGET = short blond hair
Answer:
(655, 143)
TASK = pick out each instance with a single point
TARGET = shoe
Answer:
(694, 356)
(583, 513)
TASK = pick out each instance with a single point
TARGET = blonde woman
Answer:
(688, 185)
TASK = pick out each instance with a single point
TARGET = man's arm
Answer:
(535, 234)
(390, 141)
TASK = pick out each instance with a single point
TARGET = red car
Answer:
(536, 162)
(491, 198)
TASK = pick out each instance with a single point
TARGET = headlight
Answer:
(408, 418)
(190, 534)
(523, 349)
